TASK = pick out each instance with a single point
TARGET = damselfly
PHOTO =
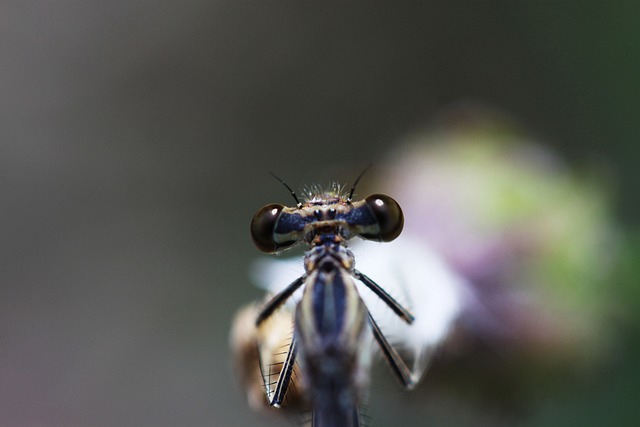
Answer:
(331, 321)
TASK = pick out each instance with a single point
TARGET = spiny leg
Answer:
(284, 379)
(399, 368)
(384, 296)
(278, 300)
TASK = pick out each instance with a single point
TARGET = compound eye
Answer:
(388, 215)
(263, 226)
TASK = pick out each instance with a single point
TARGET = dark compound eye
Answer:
(263, 226)
(388, 214)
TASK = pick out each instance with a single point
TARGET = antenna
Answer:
(293, 193)
(353, 188)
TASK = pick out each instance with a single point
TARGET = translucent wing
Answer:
(418, 279)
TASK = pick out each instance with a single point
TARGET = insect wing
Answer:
(418, 280)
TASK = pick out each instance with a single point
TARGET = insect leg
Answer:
(285, 376)
(398, 366)
(278, 300)
(384, 296)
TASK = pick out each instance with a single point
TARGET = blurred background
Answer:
(135, 141)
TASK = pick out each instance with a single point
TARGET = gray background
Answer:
(135, 140)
